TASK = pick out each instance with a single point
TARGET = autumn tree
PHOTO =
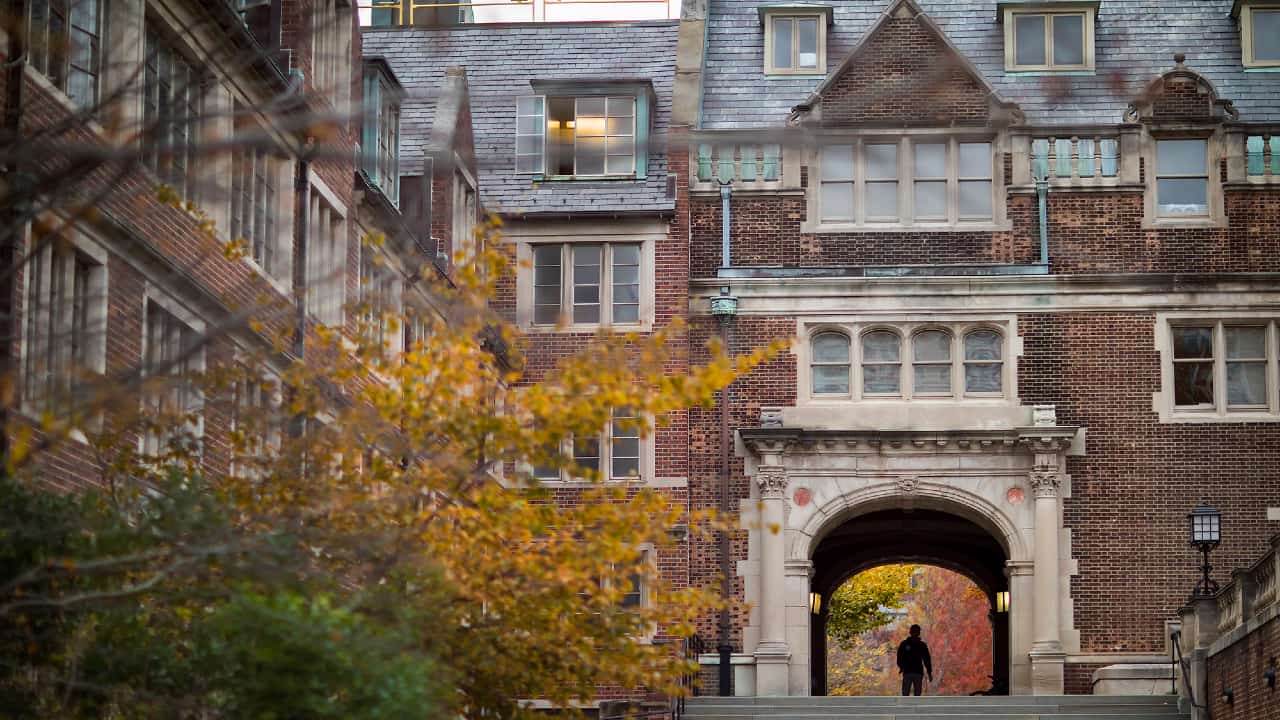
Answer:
(863, 602)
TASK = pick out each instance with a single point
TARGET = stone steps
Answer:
(1093, 707)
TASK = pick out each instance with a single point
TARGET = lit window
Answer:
(173, 102)
(931, 363)
(64, 43)
(65, 325)
(881, 363)
(1049, 40)
(577, 136)
(944, 182)
(830, 364)
(795, 44)
(1260, 34)
(1221, 366)
(591, 283)
(1182, 178)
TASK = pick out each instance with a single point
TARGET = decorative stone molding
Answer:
(907, 485)
(1045, 481)
(772, 480)
(1044, 415)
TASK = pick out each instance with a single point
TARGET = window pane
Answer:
(975, 160)
(882, 162)
(932, 378)
(982, 345)
(591, 107)
(621, 107)
(932, 345)
(831, 379)
(880, 346)
(1180, 157)
(586, 453)
(837, 162)
(931, 200)
(1193, 383)
(1266, 34)
(931, 160)
(1246, 343)
(880, 379)
(586, 283)
(882, 201)
(831, 347)
(620, 164)
(1183, 196)
(837, 201)
(1246, 383)
(807, 29)
(589, 156)
(1068, 40)
(1192, 342)
(1028, 38)
(975, 199)
(982, 377)
(626, 283)
(782, 43)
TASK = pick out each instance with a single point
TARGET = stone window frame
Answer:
(330, 266)
(1216, 148)
(1009, 18)
(906, 330)
(381, 294)
(906, 141)
(264, 145)
(259, 393)
(330, 56)
(85, 248)
(525, 277)
(148, 442)
(1246, 33)
(1164, 398)
(63, 49)
(647, 461)
(771, 16)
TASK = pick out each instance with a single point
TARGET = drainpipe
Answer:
(724, 307)
(302, 201)
(1042, 195)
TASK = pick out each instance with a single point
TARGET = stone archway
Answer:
(809, 482)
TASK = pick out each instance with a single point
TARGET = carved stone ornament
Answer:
(1044, 482)
(907, 485)
(772, 480)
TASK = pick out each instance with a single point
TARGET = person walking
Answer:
(914, 662)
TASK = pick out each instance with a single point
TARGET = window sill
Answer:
(63, 99)
(1192, 223)
(588, 328)
(1036, 72)
(821, 227)
(1212, 416)
(275, 282)
(584, 178)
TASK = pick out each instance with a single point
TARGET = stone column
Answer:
(772, 654)
(1047, 656)
(1021, 609)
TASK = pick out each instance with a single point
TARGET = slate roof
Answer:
(500, 61)
(1135, 41)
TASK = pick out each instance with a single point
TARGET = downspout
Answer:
(301, 186)
(724, 307)
(1042, 196)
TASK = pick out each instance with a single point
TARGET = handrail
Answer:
(691, 648)
(1176, 639)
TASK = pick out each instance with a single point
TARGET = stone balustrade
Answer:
(748, 166)
(1076, 159)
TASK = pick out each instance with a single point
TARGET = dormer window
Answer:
(1048, 38)
(1260, 34)
(380, 142)
(795, 38)
(584, 135)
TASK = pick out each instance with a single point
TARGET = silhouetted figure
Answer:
(914, 662)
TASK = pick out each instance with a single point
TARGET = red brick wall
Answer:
(905, 74)
(1240, 667)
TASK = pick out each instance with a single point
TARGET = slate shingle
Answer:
(500, 61)
(1135, 42)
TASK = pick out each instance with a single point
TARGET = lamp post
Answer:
(1206, 533)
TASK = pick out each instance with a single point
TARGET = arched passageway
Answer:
(920, 536)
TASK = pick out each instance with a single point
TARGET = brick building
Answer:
(1026, 251)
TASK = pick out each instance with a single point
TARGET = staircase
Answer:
(1021, 707)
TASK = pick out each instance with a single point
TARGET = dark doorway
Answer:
(924, 537)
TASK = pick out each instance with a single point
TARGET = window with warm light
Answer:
(597, 136)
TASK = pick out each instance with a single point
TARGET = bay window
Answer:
(582, 136)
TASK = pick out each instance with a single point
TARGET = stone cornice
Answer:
(775, 441)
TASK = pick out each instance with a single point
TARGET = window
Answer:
(379, 301)
(795, 45)
(1223, 366)
(1182, 178)
(381, 140)
(1260, 34)
(64, 43)
(592, 136)
(616, 454)
(464, 215)
(881, 363)
(65, 325)
(1049, 41)
(588, 282)
(983, 365)
(255, 171)
(174, 404)
(931, 362)
(830, 364)
(944, 182)
(173, 90)
(385, 13)
(258, 420)
(326, 260)
(331, 52)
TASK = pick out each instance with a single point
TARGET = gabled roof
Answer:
(501, 60)
(1135, 43)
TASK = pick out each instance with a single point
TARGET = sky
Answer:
(488, 11)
